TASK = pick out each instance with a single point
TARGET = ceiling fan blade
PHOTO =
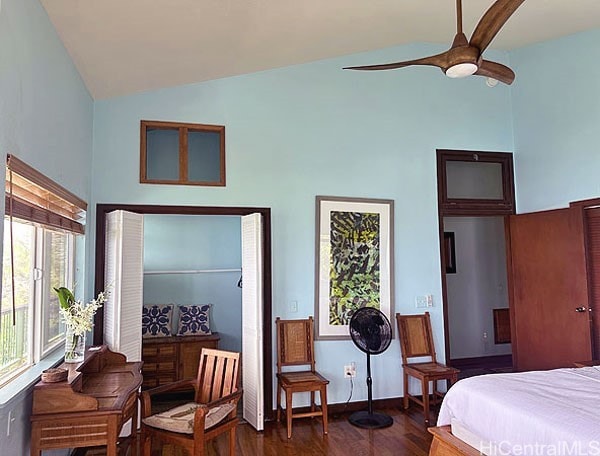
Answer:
(439, 60)
(492, 21)
(496, 71)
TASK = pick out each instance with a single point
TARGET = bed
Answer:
(527, 413)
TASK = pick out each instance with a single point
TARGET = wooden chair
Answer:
(296, 347)
(213, 412)
(416, 341)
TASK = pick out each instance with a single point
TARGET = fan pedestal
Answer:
(366, 420)
(370, 419)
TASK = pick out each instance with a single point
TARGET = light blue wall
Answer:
(45, 120)
(188, 242)
(311, 129)
(45, 109)
(556, 114)
(314, 129)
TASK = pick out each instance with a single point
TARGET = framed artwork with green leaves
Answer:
(354, 264)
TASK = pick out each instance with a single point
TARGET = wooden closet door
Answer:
(593, 251)
(549, 299)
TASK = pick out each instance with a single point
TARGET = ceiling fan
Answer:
(465, 58)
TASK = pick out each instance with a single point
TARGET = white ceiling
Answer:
(127, 46)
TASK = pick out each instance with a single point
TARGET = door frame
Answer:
(471, 208)
(589, 204)
(103, 209)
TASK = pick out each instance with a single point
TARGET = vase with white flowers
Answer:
(78, 318)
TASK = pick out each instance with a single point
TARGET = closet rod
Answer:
(192, 271)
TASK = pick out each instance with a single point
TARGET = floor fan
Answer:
(371, 332)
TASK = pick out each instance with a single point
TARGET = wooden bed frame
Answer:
(445, 444)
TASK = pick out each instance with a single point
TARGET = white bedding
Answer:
(529, 413)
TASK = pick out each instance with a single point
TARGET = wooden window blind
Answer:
(34, 197)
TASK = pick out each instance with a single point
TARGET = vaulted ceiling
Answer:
(122, 47)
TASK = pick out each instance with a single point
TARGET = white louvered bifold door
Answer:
(123, 278)
(252, 321)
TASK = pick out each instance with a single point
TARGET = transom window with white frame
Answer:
(41, 223)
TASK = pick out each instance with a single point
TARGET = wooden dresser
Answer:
(90, 407)
(168, 359)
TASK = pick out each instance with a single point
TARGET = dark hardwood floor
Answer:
(407, 436)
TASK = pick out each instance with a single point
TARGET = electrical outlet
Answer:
(350, 370)
(293, 306)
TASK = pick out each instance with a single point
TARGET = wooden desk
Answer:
(90, 407)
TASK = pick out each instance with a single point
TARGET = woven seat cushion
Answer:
(181, 419)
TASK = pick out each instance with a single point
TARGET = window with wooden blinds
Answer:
(40, 223)
(593, 250)
(34, 197)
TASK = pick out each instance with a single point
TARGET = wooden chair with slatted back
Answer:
(416, 341)
(213, 412)
(296, 347)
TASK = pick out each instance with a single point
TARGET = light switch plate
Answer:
(421, 301)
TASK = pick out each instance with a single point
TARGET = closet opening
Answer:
(263, 277)
(475, 196)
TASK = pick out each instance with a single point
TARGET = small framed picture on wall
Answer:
(449, 252)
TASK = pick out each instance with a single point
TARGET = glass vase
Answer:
(74, 346)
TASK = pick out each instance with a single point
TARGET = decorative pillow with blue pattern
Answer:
(194, 320)
(157, 320)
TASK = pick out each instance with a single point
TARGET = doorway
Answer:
(475, 194)
(196, 259)
(477, 294)
(265, 213)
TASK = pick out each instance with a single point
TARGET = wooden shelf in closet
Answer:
(168, 359)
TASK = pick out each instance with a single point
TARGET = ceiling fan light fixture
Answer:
(491, 82)
(465, 57)
(461, 70)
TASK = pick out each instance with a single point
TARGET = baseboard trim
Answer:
(336, 409)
